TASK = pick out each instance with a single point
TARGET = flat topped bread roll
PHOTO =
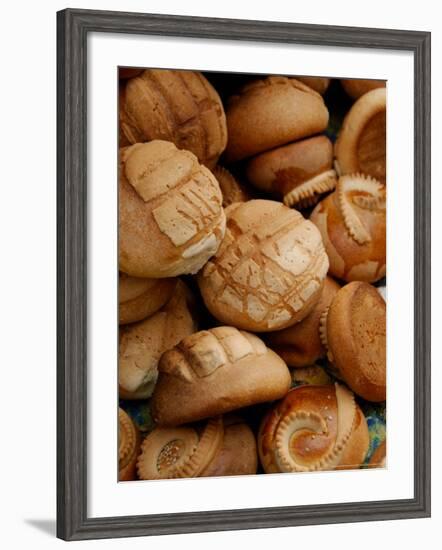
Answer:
(177, 106)
(216, 371)
(313, 428)
(269, 270)
(171, 219)
(354, 333)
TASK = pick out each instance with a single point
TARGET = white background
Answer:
(28, 244)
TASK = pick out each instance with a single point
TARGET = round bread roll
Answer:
(317, 83)
(177, 106)
(128, 72)
(300, 344)
(216, 371)
(353, 331)
(271, 112)
(355, 87)
(139, 298)
(361, 144)
(352, 222)
(215, 448)
(299, 172)
(231, 189)
(142, 344)
(313, 428)
(269, 270)
(379, 457)
(128, 447)
(171, 219)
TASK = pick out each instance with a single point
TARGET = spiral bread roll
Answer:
(353, 330)
(142, 344)
(139, 298)
(216, 371)
(218, 447)
(361, 144)
(177, 106)
(231, 189)
(171, 219)
(300, 345)
(313, 428)
(352, 222)
(271, 112)
(128, 447)
(299, 172)
(356, 87)
(269, 270)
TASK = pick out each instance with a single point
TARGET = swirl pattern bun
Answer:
(271, 112)
(128, 447)
(269, 270)
(354, 333)
(313, 428)
(216, 371)
(171, 219)
(177, 106)
(352, 222)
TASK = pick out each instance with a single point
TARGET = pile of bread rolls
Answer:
(252, 245)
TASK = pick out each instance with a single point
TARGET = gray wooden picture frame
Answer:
(73, 27)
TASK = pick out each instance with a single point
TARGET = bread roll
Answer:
(352, 222)
(379, 457)
(216, 371)
(317, 83)
(300, 344)
(171, 219)
(231, 189)
(299, 172)
(142, 344)
(313, 428)
(215, 448)
(269, 270)
(177, 106)
(354, 333)
(271, 112)
(128, 447)
(355, 87)
(361, 144)
(139, 298)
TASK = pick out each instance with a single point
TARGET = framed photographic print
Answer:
(243, 274)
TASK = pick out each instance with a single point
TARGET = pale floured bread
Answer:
(300, 345)
(142, 344)
(269, 270)
(313, 428)
(299, 172)
(354, 332)
(217, 447)
(355, 87)
(128, 447)
(361, 144)
(352, 222)
(231, 189)
(177, 106)
(216, 371)
(171, 219)
(271, 112)
(139, 298)
(317, 83)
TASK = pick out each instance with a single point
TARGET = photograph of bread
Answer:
(252, 274)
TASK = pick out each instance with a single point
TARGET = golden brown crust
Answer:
(128, 447)
(231, 189)
(171, 218)
(216, 371)
(361, 143)
(271, 112)
(356, 339)
(355, 87)
(357, 448)
(317, 83)
(142, 344)
(311, 429)
(269, 270)
(177, 106)
(300, 345)
(379, 457)
(139, 298)
(352, 222)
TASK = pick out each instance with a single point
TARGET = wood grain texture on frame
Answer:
(72, 29)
